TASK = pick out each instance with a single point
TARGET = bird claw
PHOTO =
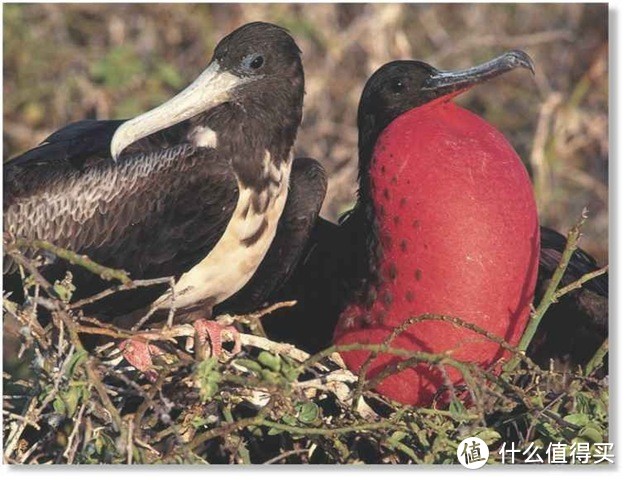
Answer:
(138, 352)
(213, 333)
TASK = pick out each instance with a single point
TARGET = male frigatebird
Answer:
(192, 189)
(344, 265)
(451, 227)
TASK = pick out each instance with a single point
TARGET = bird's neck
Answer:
(363, 223)
(248, 131)
(365, 250)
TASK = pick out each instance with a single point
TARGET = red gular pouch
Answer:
(458, 227)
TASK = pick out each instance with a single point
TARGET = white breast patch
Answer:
(233, 260)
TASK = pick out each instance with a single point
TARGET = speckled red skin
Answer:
(459, 229)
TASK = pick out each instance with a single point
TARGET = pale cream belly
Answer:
(234, 260)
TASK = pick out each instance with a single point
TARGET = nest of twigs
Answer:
(271, 402)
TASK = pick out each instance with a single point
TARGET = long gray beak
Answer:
(210, 89)
(446, 82)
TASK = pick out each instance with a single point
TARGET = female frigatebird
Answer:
(344, 265)
(192, 189)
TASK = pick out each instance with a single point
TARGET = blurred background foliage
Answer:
(66, 62)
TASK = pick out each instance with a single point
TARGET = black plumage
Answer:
(575, 327)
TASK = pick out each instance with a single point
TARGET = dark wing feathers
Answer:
(153, 214)
(573, 328)
(553, 245)
(308, 184)
(73, 144)
(318, 284)
(191, 219)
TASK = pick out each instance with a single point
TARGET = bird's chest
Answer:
(241, 248)
(457, 234)
(456, 225)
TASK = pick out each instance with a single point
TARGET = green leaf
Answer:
(198, 422)
(249, 364)
(208, 378)
(290, 420)
(423, 438)
(29, 282)
(308, 412)
(579, 419)
(64, 290)
(72, 399)
(59, 405)
(397, 436)
(290, 374)
(394, 442)
(255, 431)
(208, 390)
(289, 369)
(592, 434)
(207, 366)
(273, 362)
(77, 360)
(489, 436)
(549, 431)
(456, 407)
(272, 377)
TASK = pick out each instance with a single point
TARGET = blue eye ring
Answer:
(254, 61)
(257, 62)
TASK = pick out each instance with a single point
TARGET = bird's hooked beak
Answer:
(213, 87)
(452, 83)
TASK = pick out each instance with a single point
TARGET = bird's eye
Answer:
(254, 61)
(398, 86)
(257, 62)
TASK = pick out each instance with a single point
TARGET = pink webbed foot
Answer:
(214, 334)
(139, 352)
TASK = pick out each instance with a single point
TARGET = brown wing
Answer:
(152, 214)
